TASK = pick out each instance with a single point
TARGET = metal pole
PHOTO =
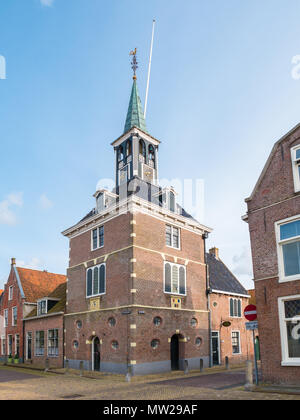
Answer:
(255, 359)
(149, 69)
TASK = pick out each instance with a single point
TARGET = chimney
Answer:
(215, 252)
(13, 261)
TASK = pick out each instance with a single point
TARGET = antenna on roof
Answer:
(149, 69)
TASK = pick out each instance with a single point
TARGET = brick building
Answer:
(44, 329)
(23, 288)
(274, 224)
(227, 301)
(137, 278)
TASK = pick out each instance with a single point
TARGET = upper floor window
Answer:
(288, 243)
(120, 154)
(128, 148)
(175, 279)
(42, 307)
(295, 152)
(151, 156)
(96, 281)
(5, 317)
(172, 236)
(14, 316)
(289, 317)
(235, 308)
(10, 292)
(142, 151)
(98, 238)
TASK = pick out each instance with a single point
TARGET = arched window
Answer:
(168, 278)
(182, 281)
(96, 281)
(120, 154)
(89, 283)
(151, 155)
(128, 148)
(231, 307)
(142, 150)
(239, 309)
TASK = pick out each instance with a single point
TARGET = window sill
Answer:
(295, 362)
(237, 354)
(96, 249)
(94, 296)
(288, 279)
(174, 294)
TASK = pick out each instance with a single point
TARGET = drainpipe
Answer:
(208, 292)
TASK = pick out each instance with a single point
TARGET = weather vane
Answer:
(134, 63)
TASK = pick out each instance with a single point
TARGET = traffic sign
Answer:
(250, 313)
(251, 326)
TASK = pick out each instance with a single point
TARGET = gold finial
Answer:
(134, 63)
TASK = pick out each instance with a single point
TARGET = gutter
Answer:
(208, 292)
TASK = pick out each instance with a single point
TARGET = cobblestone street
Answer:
(16, 383)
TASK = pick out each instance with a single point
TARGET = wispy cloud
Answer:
(44, 202)
(243, 263)
(34, 264)
(7, 215)
(47, 3)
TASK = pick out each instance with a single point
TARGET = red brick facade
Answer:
(273, 200)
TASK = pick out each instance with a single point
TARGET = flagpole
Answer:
(149, 68)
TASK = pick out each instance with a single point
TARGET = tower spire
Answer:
(135, 114)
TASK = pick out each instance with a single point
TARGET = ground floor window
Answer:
(17, 344)
(3, 345)
(39, 343)
(9, 345)
(236, 346)
(289, 316)
(53, 343)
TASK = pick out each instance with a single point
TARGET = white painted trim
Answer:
(235, 316)
(134, 131)
(295, 168)
(286, 360)
(219, 346)
(179, 237)
(12, 316)
(52, 329)
(98, 237)
(179, 266)
(230, 293)
(240, 348)
(10, 293)
(93, 268)
(279, 243)
(26, 354)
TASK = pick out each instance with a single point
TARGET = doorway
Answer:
(28, 346)
(175, 352)
(215, 346)
(96, 354)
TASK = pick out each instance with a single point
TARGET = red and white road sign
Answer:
(250, 313)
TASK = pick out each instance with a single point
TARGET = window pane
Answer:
(101, 236)
(94, 238)
(89, 287)
(172, 202)
(231, 307)
(175, 238)
(292, 308)
(293, 336)
(239, 309)
(291, 256)
(168, 278)
(96, 281)
(175, 279)
(298, 154)
(102, 279)
(235, 309)
(290, 230)
(182, 280)
(168, 236)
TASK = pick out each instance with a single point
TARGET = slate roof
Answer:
(58, 293)
(37, 284)
(221, 278)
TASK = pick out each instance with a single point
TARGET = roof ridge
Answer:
(40, 271)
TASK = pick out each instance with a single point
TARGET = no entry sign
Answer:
(250, 313)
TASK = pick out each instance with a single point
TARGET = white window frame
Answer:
(86, 279)
(40, 354)
(27, 333)
(3, 345)
(8, 352)
(98, 238)
(281, 274)
(286, 360)
(179, 266)
(10, 292)
(179, 237)
(295, 167)
(17, 335)
(240, 347)
(13, 324)
(5, 318)
(56, 355)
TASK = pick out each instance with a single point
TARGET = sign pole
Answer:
(255, 359)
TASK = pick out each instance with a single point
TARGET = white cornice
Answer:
(135, 130)
(135, 204)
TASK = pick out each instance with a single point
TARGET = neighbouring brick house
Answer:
(274, 224)
(227, 301)
(44, 329)
(23, 288)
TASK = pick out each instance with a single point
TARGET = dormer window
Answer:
(168, 199)
(295, 152)
(42, 307)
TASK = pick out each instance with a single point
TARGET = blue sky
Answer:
(221, 94)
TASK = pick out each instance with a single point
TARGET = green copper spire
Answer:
(135, 114)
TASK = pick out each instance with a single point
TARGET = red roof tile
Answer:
(37, 284)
